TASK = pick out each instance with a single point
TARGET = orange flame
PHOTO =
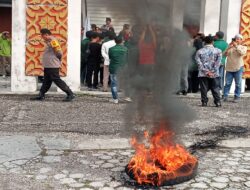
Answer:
(162, 160)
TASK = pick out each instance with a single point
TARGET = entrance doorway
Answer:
(5, 20)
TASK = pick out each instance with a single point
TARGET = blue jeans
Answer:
(222, 73)
(237, 76)
(114, 86)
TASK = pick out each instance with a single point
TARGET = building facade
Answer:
(65, 19)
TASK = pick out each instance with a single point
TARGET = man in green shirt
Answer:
(5, 53)
(84, 55)
(118, 58)
(222, 45)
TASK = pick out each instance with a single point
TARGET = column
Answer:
(74, 41)
(19, 81)
(230, 18)
(210, 16)
(84, 13)
(230, 25)
(177, 14)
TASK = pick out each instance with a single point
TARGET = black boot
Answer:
(184, 93)
(40, 97)
(70, 97)
(217, 104)
(204, 104)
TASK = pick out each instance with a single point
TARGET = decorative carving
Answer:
(51, 14)
(245, 31)
(47, 2)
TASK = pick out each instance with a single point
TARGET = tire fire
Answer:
(162, 161)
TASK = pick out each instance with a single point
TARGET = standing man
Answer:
(235, 66)
(118, 58)
(222, 45)
(5, 53)
(51, 61)
(208, 60)
(106, 27)
(84, 56)
(105, 54)
(94, 61)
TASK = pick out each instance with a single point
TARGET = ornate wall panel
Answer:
(51, 14)
(245, 31)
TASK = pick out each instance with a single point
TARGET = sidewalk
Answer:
(55, 162)
(6, 90)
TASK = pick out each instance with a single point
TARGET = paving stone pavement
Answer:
(43, 156)
(81, 170)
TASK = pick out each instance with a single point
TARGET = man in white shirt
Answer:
(105, 53)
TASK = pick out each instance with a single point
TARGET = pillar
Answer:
(74, 41)
(19, 81)
(177, 13)
(210, 16)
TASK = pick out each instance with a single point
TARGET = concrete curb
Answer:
(100, 93)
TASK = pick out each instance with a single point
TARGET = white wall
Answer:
(20, 82)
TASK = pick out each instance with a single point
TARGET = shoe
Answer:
(184, 93)
(217, 104)
(178, 93)
(4, 76)
(225, 99)
(40, 97)
(104, 90)
(236, 100)
(115, 101)
(127, 99)
(204, 104)
(69, 98)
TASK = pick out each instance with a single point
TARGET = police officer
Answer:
(51, 61)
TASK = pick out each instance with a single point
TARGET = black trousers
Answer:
(101, 75)
(92, 67)
(83, 71)
(193, 81)
(212, 84)
(52, 75)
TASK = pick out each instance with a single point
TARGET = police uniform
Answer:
(51, 61)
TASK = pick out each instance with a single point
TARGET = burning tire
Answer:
(162, 162)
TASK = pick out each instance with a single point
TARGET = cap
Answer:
(237, 36)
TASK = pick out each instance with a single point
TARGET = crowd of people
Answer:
(212, 57)
(104, 54)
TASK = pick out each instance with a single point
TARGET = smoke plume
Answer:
(152, 86)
